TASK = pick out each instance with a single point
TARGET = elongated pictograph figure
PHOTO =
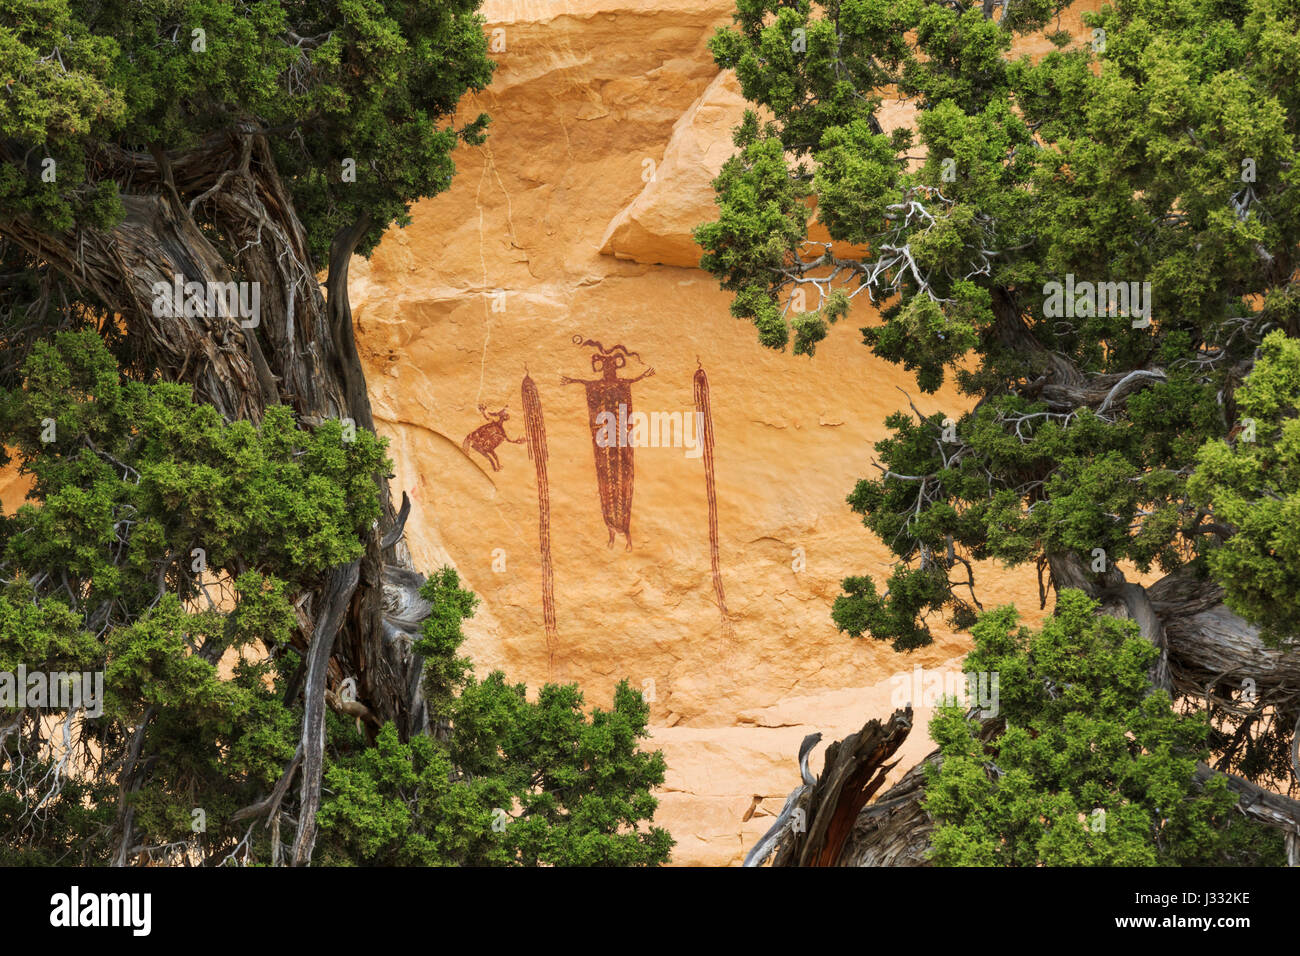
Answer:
(486, 438)
(535, 432)
(609, 399)
(705, 413)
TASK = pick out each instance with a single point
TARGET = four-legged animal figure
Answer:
(486, 438)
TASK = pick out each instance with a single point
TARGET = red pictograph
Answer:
(609, 399)
(486, 438)
(535, 432)
(705, 411)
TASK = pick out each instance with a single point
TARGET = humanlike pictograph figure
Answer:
(609, 399)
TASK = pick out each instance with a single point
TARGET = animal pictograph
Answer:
(487, 437)
(609, 398)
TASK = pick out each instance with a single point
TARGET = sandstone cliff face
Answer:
(609, 119)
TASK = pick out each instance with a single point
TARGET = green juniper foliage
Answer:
(165, 548)
(1253, 483)
(373, 82)
(182, 553)
(159, 539)
(517, 783)
(1092, 769)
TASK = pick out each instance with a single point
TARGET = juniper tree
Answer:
(1093, 247)
(188, 144)
(1089, 766)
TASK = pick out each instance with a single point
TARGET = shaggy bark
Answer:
(895, 830)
